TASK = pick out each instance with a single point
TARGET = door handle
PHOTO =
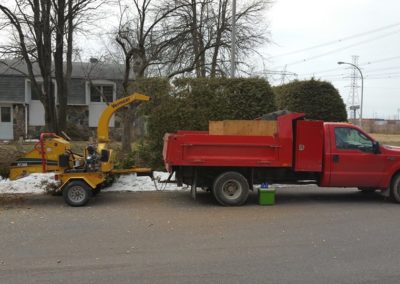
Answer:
(336, 158)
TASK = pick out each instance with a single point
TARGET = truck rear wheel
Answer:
(231, 189)
(77, 193)
(395, 189)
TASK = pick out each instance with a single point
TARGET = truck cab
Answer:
(352, 158)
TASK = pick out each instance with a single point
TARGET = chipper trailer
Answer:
(297, 151)
(80, 175)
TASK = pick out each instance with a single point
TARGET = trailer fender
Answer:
(91, 179)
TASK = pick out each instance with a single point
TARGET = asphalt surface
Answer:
(311, 235)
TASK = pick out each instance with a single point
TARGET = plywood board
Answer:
(243, 127)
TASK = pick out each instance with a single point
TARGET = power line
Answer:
(367, 75)
(316, 73)
(321, 71)
(383, 69)
(377, 78)
(383, 74)
(336, 41)
(380, 60)
(342, 48)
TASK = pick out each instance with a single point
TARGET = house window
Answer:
(102, 93)
(5, 114)
(35, 95)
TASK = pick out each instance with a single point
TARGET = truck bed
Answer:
(199, 148)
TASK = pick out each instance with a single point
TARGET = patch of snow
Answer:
(37, 183)
(34, 183)
(137, 183)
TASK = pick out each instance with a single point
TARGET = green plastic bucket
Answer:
(266, 196)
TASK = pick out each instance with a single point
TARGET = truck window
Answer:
(351, 139)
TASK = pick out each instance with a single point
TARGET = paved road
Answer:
(310, 236)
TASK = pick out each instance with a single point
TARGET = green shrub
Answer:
(191, 103)
(318, 99)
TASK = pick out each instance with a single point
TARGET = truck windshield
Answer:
(352, 139)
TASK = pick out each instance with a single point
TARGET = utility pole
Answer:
(283, 77)
(233, 39)
(353, 98)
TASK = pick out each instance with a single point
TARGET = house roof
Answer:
(85, 70)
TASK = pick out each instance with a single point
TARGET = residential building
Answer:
(22, 113)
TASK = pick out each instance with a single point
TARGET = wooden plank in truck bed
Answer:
(243, 127)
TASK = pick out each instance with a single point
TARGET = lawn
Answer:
(388, 139)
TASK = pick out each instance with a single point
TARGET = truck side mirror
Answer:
(375, 147)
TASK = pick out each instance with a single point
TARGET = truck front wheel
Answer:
(231, 189)
(395, 188)
(77, 193)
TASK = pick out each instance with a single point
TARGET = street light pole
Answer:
(233, 39)
(362, 87)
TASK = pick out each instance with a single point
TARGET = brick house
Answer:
(22, 114)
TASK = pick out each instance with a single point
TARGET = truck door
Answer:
(353, 161)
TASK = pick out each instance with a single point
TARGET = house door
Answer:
(6, 122)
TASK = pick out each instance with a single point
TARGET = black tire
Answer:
(395, 189)
(77, 193)
(231, 189)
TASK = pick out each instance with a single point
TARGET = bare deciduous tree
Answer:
(39, 30)
(144, 39)
(69, 15)
(206, 50)
(31, 22)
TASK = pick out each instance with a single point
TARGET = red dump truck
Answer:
(300, 151)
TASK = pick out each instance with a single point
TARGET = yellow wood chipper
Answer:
(80, 175)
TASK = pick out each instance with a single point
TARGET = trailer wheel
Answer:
(77, 193)
(395, 189)
(231, 189)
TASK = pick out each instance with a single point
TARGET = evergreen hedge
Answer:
(318, 99)
(191, 102)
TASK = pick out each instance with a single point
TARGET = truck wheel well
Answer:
(393, 177)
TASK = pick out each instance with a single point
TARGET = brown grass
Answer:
(388, 139)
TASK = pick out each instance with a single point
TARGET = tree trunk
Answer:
(195, 38)
(58, 64)
(220, 29)
(68, 71)
(45, 66)
(126, 121)
(129, 114)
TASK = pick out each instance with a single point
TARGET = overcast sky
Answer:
(341, 28)
(367, 28)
